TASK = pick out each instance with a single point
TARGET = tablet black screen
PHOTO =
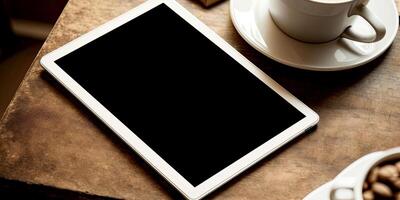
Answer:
(183, 96)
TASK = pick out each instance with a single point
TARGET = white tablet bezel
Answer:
(162, 167)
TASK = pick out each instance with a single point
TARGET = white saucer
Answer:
(253, 22)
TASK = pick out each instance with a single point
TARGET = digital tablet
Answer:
(182, 98)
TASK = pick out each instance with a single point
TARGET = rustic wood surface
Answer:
(47, 137)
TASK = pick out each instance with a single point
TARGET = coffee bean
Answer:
(388, 173)
(365, 186)
(397, 196)
(382, 190)
(383, 182)
(398, 166)
(373, 175)
(396, 184)
(369, 195)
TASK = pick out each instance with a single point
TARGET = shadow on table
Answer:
(12, 189)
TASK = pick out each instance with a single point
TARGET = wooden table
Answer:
(47, 137)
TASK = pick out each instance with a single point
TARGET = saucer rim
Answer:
(309, 67)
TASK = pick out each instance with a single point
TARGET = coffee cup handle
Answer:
(343, 184)
(372, 19)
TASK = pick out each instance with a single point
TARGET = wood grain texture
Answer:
(49, 138)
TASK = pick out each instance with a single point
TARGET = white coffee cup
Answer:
(318, 21)
(351, 185)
